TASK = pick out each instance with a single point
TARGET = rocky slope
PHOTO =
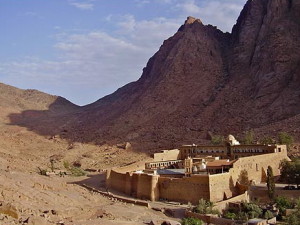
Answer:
(201, 80)
(27, 197)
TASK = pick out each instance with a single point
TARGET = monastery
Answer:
(192, 172)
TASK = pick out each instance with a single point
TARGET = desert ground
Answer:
(30, 198)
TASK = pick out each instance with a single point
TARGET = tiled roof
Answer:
(218, 163)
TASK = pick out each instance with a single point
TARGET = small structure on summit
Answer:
(191, 20)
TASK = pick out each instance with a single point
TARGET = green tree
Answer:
(267, 140)
(268, 215)
(191, 221)
(270, 182)
(249, 137)
(243, 178)
(230, 215)
(243, 216)
(252, 210)
(283, 203)
(205, 207)
(285, 139)
(290, 171)
(217, 139)
(286, 170)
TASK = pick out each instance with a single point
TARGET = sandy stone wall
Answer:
(186, 189)
(224, 204)
(147, 187)
(256, 166)
(221, 187)
(217, 187)
(116, 181)
(141, 186)
(261, 194)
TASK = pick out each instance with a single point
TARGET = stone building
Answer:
(192, 172)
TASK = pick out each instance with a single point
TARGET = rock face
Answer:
(202, 79)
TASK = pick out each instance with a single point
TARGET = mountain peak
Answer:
(191, 20)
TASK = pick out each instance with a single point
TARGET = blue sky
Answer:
(85, 49)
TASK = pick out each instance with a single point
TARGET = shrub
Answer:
(252, 210)
(52, 161)
(66, 165)
(285, 139)
(205, 207)
(242, 216)
(283, 203)
(293, 219)
(77, 172)
(230, 215)
(217, 139)
(290, 171)
(268, 215)
(249, 137)
(191, 221)
(42, 171)
(267, 141)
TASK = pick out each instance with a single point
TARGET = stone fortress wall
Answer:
(213, 187)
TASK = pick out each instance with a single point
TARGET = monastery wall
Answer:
(142, 186)
(221, 187)
(217, 187)
(256, 166)
(147, 187)
(186, 189)
(116, 181)
(223, 205)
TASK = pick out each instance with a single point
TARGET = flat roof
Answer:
(171, 172)
(218, 163)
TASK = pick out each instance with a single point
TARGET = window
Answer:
(257, 167)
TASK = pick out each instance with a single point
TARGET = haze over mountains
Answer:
(200, 80)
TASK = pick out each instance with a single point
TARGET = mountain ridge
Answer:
(202, 81)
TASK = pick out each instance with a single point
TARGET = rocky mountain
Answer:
(202, 80)
(15, 100)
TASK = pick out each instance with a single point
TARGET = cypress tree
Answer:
(270, 182)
